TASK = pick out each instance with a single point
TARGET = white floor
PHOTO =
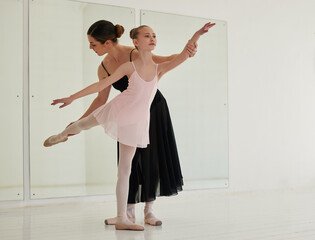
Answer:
(285, 215)
(73, 190)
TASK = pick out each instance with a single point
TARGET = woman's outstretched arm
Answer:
(180, 58)
(124, 69)
(102, 96)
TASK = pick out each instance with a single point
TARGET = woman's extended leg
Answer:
(82, 124)
(126, 154)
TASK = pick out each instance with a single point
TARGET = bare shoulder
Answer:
(101, 73)
(131, 53)
(129, 48)
(126, 68)
(134, 54)
(127, 51)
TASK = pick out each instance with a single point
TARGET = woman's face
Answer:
(99, 48)
(146, 39)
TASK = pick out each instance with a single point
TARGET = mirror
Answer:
(196, 92)
(61, 63)
(11, 99)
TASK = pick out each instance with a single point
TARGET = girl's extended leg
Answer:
(149, 217)
(82, 124)
(126, 154)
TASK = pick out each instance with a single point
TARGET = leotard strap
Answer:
(130, 56)
(105, 69)
(134, 67)
(156, 68)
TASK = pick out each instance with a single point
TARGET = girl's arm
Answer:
(101, 98)
(161, 59)
(191, 50)
(180, 58)
(122, 70)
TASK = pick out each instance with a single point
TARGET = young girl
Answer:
(126, 117)
(155, 170)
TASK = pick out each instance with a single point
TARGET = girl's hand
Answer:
(66, 101)
(206, 28)
(191, 49)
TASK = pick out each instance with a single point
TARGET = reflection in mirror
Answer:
(60, 64)
(11, 100)
(196, 93)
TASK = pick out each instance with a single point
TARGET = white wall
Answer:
(271, 86)
(11, 146)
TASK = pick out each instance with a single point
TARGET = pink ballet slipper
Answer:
(52, 140)
(132, 227)
(112, 221)
(152, 220)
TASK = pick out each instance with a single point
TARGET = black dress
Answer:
(156, 169)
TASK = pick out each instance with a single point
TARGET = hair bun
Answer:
(132, 32)
(119, 30)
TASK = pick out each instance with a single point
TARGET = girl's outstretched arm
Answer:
(191, 50)
(180, 58)
(124, 69)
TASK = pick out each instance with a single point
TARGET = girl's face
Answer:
(99, 48)
(146, 39)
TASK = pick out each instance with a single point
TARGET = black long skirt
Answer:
(156, 169)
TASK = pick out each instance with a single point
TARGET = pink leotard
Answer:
(126, 117)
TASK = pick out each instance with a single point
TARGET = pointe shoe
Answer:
(108, 222)
(132, 227)
(112, 221)
(49, 143)
(151, 219)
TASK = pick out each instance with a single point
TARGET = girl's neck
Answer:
(145, 57)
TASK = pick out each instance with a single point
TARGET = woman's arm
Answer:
(102, 96)
(124, 69)
(180, 58)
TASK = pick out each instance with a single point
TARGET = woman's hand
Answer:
(200, 32)
(205, 28)
(191, 49)
(66, 101)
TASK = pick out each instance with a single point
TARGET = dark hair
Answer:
(135, 31)
(103, 30)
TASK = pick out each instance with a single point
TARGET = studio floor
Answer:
(269, 215)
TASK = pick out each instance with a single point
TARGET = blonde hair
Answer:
(135, 31)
